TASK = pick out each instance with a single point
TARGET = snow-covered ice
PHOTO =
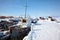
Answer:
(44, 30)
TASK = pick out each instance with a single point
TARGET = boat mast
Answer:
(25, 8)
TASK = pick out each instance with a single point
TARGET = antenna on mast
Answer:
(25, 8)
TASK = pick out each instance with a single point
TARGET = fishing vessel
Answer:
(22, 28)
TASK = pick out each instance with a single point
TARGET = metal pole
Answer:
(26, 9)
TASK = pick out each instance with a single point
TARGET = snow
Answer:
(44, 30)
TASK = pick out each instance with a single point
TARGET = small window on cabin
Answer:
(24, 21)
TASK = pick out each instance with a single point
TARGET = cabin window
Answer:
(24, 21)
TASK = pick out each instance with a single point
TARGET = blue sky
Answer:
(35, 7)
